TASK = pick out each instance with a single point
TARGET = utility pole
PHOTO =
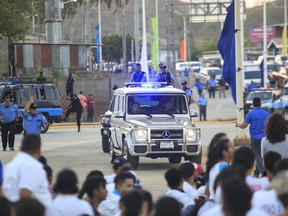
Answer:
(136, 30)
(124, 47)
(53, 21)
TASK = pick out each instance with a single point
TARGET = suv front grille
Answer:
(167, 134)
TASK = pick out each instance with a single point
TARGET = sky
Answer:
(249, 3)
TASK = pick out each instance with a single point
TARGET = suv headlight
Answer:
(192, 134)
(140, 135)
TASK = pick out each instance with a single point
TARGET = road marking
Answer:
(8, 154)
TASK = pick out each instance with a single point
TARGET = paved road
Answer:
(65, 148)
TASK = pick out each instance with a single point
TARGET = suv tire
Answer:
(174, 159)
(112, 154)
(134, 161)
(194, 159)
(105, 144)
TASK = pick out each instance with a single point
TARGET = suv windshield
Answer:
(157, 104)
(253, 74)
(264, 96)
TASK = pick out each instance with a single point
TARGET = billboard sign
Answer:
(256, 34)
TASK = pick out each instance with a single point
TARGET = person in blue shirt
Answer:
(138, 75)
(8, 119)
(251, 86)
(256, 118)
(165, 76)
(202, 103)
(212, 86)
(32, 120)
(199, 86)
(188, 91)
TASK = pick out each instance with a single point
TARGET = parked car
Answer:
(45, 93)
(206, 72)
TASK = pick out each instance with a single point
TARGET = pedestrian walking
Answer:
(76, 107)
(212, 86)
(139, 75)
(24, 176)
(83, 101)
(188, 91)
(90, 107)
(256, 118)
(202, 103)
(222, 87)
(199, 86)
(8, 119)
(32, 120)
(165, 76)
(69, 85)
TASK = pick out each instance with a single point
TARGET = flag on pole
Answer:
(226, 47)
(97, 41)
(284, 41)
(143, 60)
(182, 50)
(155, 40)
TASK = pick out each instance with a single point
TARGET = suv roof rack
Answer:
(146, 84)
(29, 80)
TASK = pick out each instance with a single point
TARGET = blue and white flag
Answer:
(97, 41)
(226, 47)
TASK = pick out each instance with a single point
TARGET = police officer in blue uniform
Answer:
(8, 118)
(32, 120)
(165, 76)
(188, 91)
(202, 103)
(138, 75)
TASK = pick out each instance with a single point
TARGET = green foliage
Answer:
(12, 18)
(112, 49)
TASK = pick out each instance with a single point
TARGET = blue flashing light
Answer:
(14, 79)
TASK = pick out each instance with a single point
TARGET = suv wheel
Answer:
(105, 144)
(194, 159)
(112, 154)
(134, 161)
(174, 159)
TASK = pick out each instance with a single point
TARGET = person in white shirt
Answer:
(110, 206)
(236, 196)
(117, 163)
(25, 177)
(219, 156)
(276, 136)
(245, 159)
(175, 183)
(66, 202)
(188, 173)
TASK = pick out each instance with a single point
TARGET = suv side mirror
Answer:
(119, 114)
(194, 113)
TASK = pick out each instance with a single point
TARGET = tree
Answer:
(12, 18)
(112, 50)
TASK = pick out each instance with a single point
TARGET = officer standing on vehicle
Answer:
(75, 106)
(188, 91)
(138, 75)
(165, 76)
(8, 118)
(32, 120)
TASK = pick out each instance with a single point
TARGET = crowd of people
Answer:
(228, 186)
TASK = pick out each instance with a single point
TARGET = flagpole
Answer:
(240, 134)
(100, 32)
(285, 27)
(265, 75)
(157, 36)
(144, 62)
